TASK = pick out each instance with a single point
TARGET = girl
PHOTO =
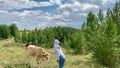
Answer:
(59, 53)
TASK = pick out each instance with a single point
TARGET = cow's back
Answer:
(40, 52)
(32, 50)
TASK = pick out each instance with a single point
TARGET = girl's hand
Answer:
(57, 60)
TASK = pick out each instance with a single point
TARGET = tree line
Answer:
(8, 31)
(46, 36)
(99, 35)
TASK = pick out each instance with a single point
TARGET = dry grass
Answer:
(14, 54)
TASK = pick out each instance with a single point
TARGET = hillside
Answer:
(14, 55)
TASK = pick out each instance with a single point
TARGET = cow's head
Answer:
(30, 43)
(47, 56)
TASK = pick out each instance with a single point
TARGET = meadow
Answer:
(13, 55)
(99, 34)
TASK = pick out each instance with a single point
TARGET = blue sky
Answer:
(29, 14)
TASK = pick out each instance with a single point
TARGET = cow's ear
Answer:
(44, 54)
(27, 45)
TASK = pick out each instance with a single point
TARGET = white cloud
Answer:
(31, 19)
(58, 2)
(44, 4)
(75, 12)
(89, 6)
(71, 14)
(20, 4)
(17, 4)
(68, 14)
(76, 6)
(104, 2)
(5, 15)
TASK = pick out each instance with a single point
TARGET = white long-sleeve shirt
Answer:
(57, 49)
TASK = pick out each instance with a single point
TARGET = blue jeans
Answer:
(61, 61)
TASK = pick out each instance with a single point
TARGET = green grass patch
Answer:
(13, 55)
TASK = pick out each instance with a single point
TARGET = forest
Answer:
(99, 35)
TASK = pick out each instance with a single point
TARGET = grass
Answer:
(13, 55)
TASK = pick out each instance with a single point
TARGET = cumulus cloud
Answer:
(31, 19)
(58, 2)
(71, 14)
(21, 4)
(76, 7)
(75, 12)
(17, 4)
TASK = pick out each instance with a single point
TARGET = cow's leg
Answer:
(48, 58)
(38, 62)
(27, 59)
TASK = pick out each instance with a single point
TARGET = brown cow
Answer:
(37, 52)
